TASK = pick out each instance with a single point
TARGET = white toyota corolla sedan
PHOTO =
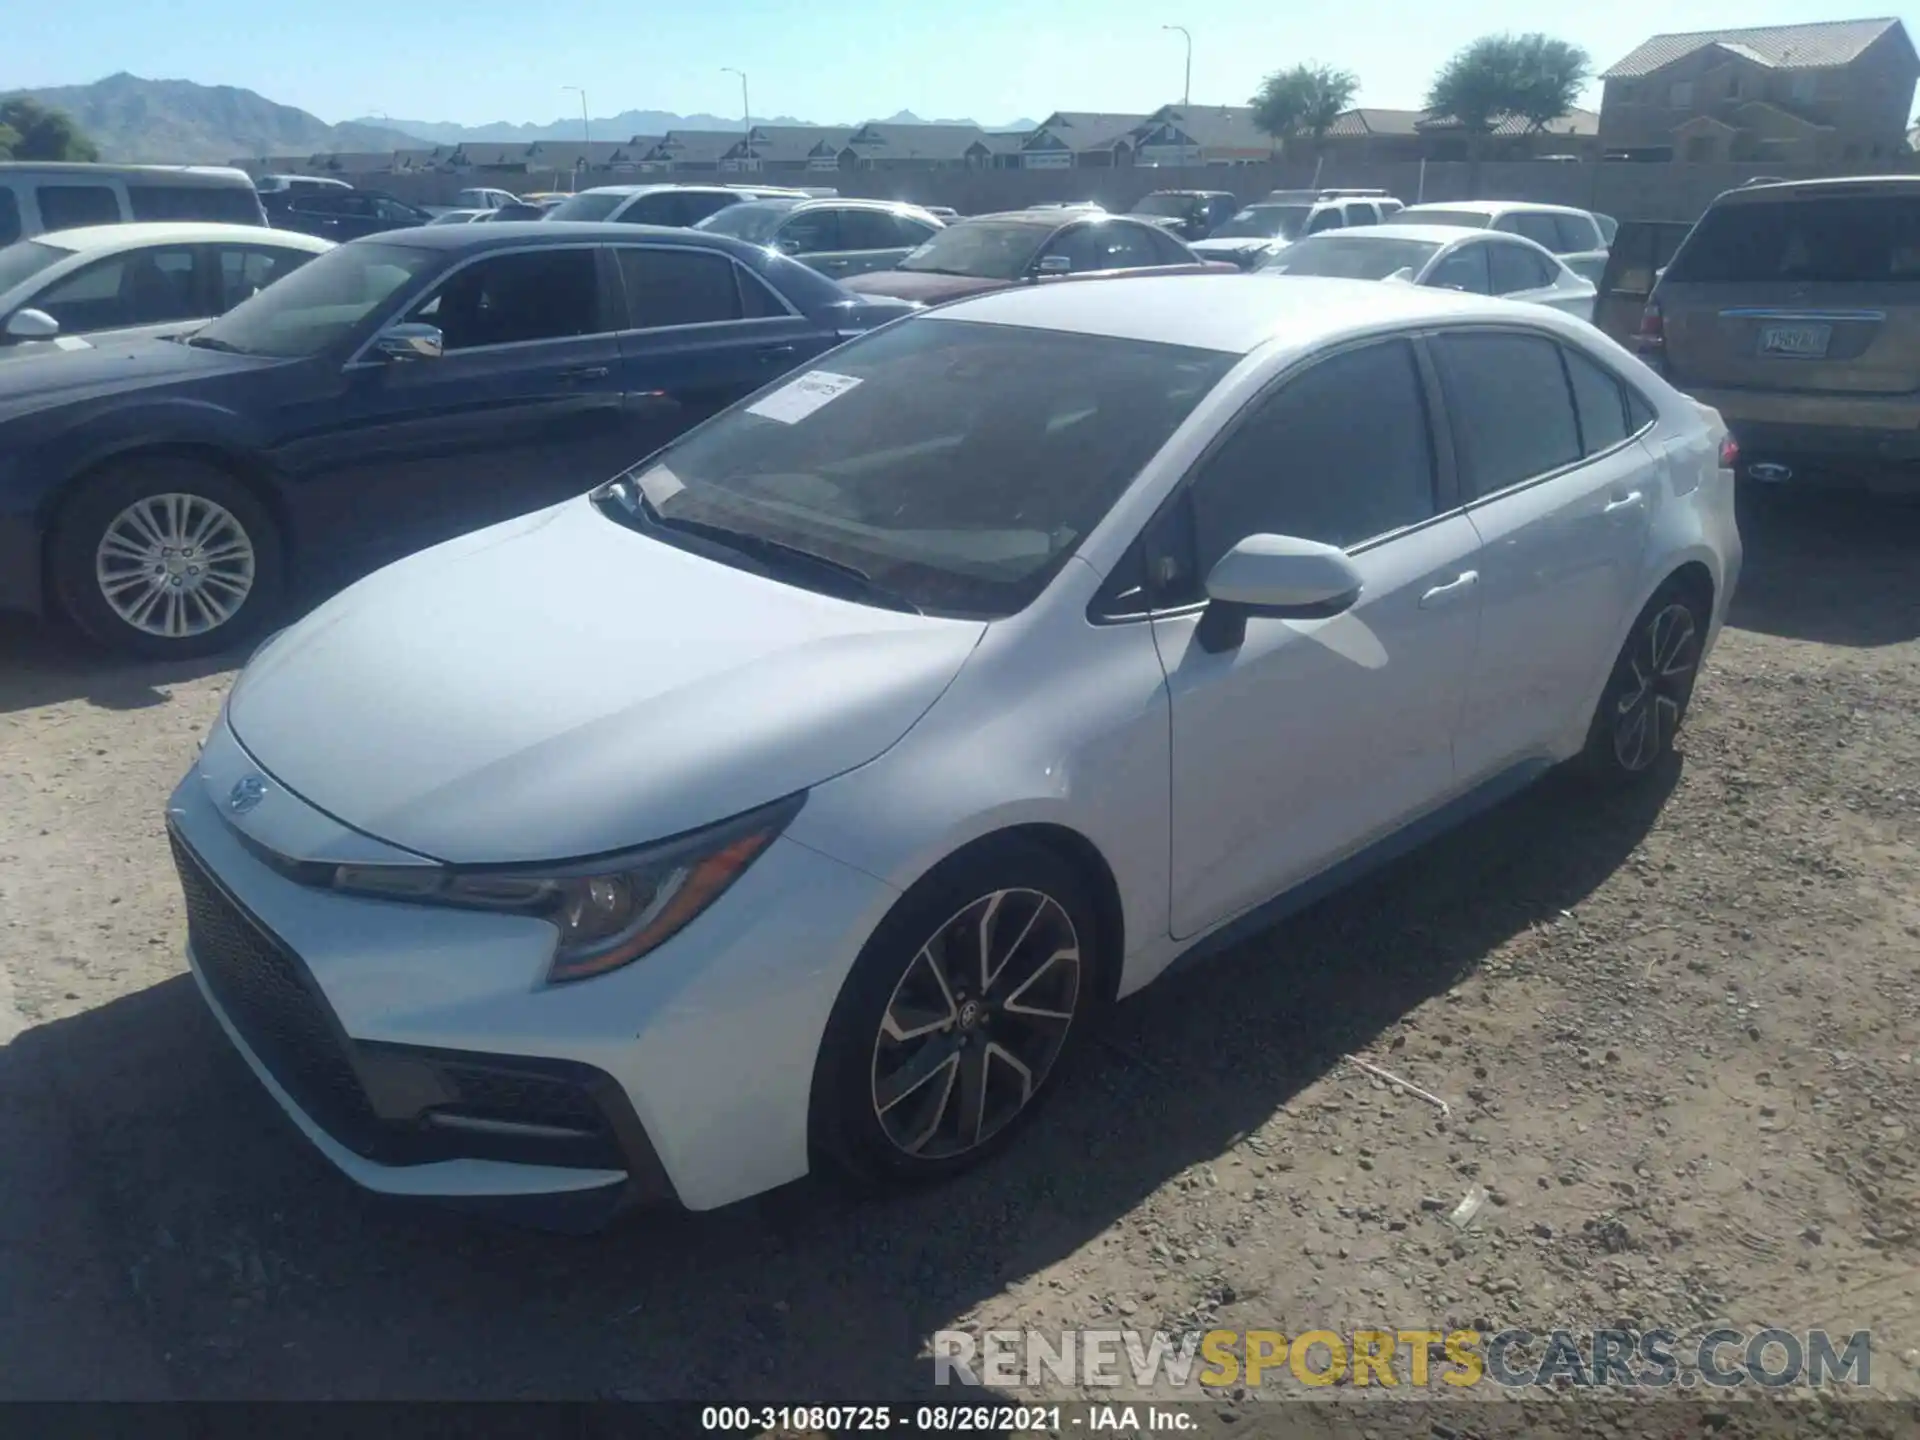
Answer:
(799, 797)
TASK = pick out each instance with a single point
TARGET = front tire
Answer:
(166, 557)
(956, 1016)
(1646, 699)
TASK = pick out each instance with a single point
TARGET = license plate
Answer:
(1802, 342)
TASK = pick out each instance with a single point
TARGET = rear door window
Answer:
(1464, 269)
(245, 270)
(227, 204)
(1511, 410)
(546, 294)
(1536, 227)
(63, 207)
(1599, 400)
(1327, 219)
(812, 232)
(869, 230)
(1866, 239)
(668, 287)
(1577, 233)
(1516, 268)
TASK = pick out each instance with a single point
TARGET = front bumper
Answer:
(420, 1050)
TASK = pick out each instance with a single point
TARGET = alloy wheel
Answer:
(1662, 662)
(974, 1025)
(175, 565)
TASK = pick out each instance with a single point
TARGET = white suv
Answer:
(1270, 225)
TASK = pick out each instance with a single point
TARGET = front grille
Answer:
(271, 1002)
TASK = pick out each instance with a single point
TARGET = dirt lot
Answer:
(1677, 1032)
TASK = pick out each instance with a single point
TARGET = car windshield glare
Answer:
(1352, 257)
(954, 464)
(319, 304)
(753, 222)
(1265, 222)
(987, 250)
(26, 259)
(590, 206)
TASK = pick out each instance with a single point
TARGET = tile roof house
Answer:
(789, 148)
(501, 159)
(1070, 138)
(881, 145)
(1821, 93)
(699, 150)
(1379, 134)
(1201, 135)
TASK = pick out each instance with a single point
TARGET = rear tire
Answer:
(166, 558)
(940, 1048)
(1647, 695)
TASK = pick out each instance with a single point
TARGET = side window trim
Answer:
(1445, 490)
(1471, 503)
(1628, 394)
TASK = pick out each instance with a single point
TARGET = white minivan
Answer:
(36, 197)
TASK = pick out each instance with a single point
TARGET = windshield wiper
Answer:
(210, 342)
(938, 270)
(774, 554)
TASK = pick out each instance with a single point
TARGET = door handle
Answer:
(775, 352)
(1633, 500)
(1452, 590)
(585, 372)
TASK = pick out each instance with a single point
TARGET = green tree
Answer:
(1305, 100)
(1533, 77)
(32, 131)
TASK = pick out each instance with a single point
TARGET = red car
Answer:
(991, 252)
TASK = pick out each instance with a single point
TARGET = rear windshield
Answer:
(586, 207)
(1420, 215)
(1864, 238)
(956, 465)
(1351, 257)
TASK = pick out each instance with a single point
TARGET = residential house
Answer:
(880, 145)
(1006, 147)
(1814, 94)
(699, 151)
(1069, 138)
(789, 148)
(436, 157)
(489, 158)
(1201, 135)
(351, 162)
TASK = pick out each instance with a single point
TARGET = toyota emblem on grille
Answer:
(247, 792)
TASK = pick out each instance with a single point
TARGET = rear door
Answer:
(1815, 291)
(700, 332)
(876, 240)
(1640, 250)
(1560, 496)
(812, 236)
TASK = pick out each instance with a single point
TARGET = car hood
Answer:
(562, 686)
(919, 285)
(109, 365)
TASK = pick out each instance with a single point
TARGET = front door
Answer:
(1309, 739)
(701, 332)
(523, 408)
(1560, 495)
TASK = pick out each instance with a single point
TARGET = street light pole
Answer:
(1186, 88)
(586, 128)
(746, 106)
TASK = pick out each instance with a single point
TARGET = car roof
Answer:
(511, 234)
(1231, 313)
(1814, 189)
(107, 239)
(1497, 207)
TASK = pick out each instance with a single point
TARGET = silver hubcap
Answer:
(975, 1024)
(175, 565)
(1648, 711)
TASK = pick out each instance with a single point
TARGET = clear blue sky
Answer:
(473, 61)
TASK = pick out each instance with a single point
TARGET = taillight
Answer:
(1653, 330)
(1729, 454)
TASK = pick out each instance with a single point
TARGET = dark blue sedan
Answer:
(390, 393)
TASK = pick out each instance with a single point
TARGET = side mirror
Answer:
(32, 325)
(411, 340)
(1276, 576)
(1054, 265)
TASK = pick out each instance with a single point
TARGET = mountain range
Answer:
(181, 121)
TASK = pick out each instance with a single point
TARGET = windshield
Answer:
(1351, 257)
(25, 260)
(955, 465)
(754, 222)
(986, 249)
(594, 205)
(319, 304)
(1170, 205)
(1419, 215)
(1265, 222)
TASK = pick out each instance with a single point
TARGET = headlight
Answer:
(609, 911)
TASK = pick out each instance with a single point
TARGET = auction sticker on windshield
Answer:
(800, 397)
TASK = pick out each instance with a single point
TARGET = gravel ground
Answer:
(1676, 1032)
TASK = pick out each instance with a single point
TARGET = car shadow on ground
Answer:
(1839, 569)
(259, 1272)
